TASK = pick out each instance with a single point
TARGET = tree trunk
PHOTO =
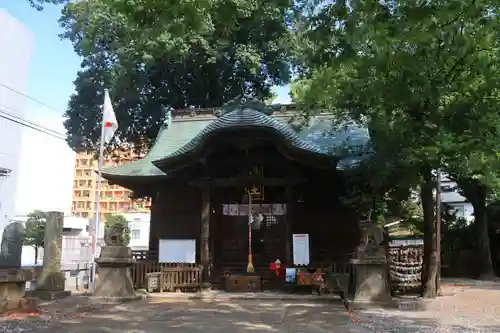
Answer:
(36, 255)
(476, 194)
(429, 271)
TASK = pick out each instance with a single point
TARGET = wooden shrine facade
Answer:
(206, 201)
(200, 190)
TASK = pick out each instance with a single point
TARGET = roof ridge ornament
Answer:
(167, 117)
(245, 101)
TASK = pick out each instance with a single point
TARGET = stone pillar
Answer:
(51, 283)
(205, 235)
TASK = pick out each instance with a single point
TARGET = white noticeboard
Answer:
(177, 250)
(301, 249)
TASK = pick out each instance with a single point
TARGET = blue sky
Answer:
(54, 63)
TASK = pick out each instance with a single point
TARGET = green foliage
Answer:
(424, 78)
(156, 54)
(116, 230)
(419, 75)
(34, 229)
(39, 4)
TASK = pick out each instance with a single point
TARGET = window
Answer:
(135, 234)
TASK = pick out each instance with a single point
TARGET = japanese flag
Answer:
(109, 123)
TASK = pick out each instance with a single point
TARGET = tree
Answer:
(34, 229)
(401, 68)
(116, 230)
(476, 166)
(38, 4)
(157, 54)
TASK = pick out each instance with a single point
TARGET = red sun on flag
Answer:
(108, 124)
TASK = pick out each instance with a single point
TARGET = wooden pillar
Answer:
(153, 226)
(205, 233)
(289, 226)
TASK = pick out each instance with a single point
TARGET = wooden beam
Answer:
(248, 181)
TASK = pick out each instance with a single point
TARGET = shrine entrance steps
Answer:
(222, 296)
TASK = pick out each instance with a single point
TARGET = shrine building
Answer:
(205, 163)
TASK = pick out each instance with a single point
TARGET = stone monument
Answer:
(51, 283)
(12, 245)
(372, 273)
(12, 277)
(114, 263)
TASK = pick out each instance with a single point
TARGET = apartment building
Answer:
(113, 199)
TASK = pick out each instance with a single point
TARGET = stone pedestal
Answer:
(113, 276)
(51, 283)
(12, 292)
(371, 283)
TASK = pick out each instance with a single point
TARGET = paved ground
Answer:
(474, 308)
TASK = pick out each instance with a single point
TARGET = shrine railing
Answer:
(174, 275)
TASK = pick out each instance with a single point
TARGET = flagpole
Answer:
(95, 231)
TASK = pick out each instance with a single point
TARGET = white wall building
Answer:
(46, 165)
(139, 230)
(16, 49)
(451, 196)
(76, 236)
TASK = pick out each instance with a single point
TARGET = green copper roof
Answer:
(245, 119)
(350, 144)
(169, 140)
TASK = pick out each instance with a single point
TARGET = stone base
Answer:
(372, 284)
(114, 282)
(14, 290)
(122, 299)
(51, 281)
(363, 305)
(12, 298)
(48, 295)
(20, 305)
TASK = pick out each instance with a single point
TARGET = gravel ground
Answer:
(473, 308)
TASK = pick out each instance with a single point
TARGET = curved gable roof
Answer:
(248, 119)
